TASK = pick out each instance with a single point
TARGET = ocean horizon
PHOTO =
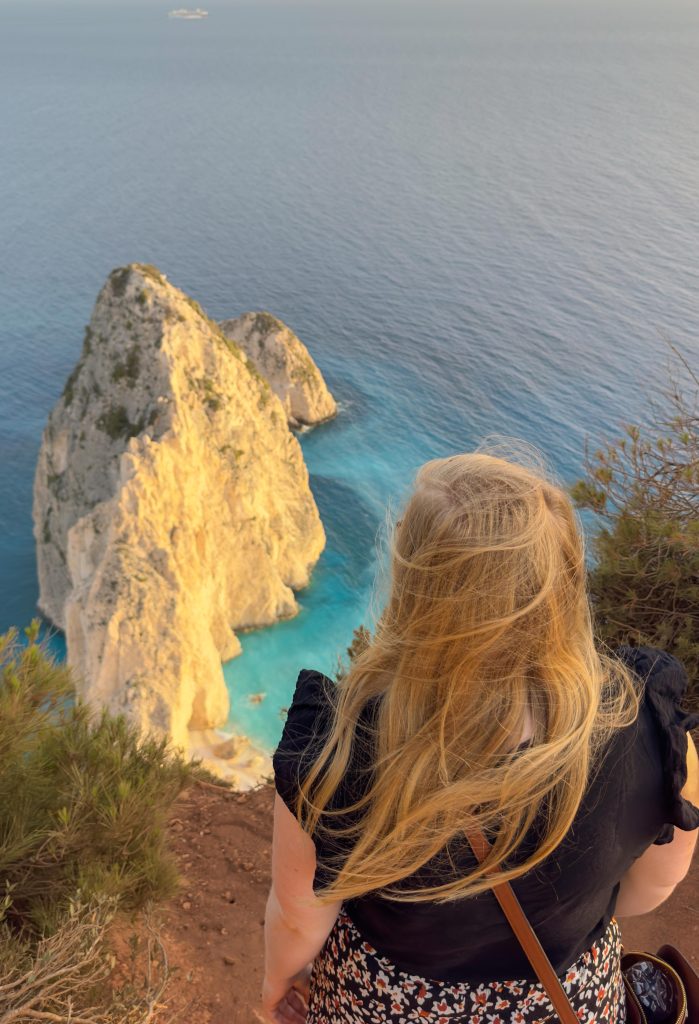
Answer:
(481, 218)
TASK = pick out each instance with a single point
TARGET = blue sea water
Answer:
(481, 217)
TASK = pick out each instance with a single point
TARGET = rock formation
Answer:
(171, 507)
(286, 363)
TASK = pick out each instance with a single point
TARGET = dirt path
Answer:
(213, 930)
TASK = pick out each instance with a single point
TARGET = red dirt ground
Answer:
(213, 929)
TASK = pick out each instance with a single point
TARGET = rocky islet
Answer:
(171, 505)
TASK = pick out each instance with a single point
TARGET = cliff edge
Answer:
(171, 507)
(283, 360)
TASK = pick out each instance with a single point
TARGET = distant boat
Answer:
(184, 12)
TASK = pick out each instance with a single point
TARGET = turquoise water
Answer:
(481, 218)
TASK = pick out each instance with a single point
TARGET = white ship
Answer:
(184, 12)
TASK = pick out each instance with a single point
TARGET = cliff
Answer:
(171, 507)
(286, 363)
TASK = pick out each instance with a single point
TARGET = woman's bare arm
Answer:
(296, 924)
(657, 872)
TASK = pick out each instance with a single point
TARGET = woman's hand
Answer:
(287, 1002)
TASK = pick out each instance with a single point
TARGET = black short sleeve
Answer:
(304, 731)
(665, 686)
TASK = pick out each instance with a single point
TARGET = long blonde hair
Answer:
(487, 619)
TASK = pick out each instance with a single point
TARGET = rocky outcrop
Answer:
(286, 363)
(171, 507)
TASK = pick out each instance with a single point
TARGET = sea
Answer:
(481, 217)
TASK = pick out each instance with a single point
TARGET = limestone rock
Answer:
(171, 506)
(286, 363)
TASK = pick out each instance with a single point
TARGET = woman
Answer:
(482, 702)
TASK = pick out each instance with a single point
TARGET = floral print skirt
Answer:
(352, 984)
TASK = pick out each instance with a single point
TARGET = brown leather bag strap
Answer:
(525, 934)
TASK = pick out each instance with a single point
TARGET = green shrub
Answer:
(212, 398)
(69, 387)
(195, 306)
(83, 810)
(361, 638)
(265, 323)
(83, 800)
(119, 280)
(115, 422)
(129, 367)
(265, 391)
(644, 487)
(304, 373)
(148, 270)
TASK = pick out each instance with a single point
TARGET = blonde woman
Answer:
(483, 702)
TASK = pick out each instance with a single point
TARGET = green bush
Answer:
(69, 387)
(115, 422)
(119, 280)
(148, 270)
(265, 323)
(361, 638)
(129, 368)
(83, 801)
(644, 487)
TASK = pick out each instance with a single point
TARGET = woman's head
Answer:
(487, 623)
(487, 570)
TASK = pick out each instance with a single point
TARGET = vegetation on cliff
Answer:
(644, 487)
(83, 809)
(361, 638)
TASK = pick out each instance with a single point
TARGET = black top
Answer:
(632, 800)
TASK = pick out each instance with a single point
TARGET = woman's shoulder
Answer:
(304, 730)
(311, 701)
(657, 668)
(661, 732)
(308, 710)
(663, 684)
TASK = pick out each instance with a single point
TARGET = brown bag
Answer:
(663, 981)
